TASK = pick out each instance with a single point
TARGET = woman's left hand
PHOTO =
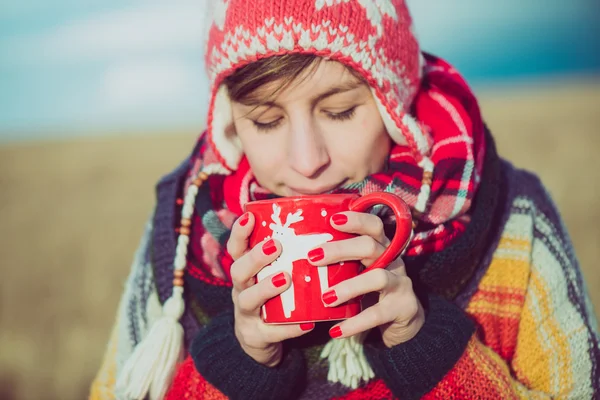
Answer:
(398, 313)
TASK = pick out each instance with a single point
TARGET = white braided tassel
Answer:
(347, 362)
(152, 365)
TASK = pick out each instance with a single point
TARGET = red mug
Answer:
(302, 223)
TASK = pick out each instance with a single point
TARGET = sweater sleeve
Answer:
(220, 360)
(541, 342)
(413, 368)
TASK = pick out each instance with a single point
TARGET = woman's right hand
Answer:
(260, 341)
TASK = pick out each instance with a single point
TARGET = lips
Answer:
(311, 191)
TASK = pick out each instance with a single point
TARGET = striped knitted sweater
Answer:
(517, 325)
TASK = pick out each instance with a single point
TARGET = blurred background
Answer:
(98, 99)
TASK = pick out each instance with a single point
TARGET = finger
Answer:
(256, 334)
(237, 244)
(250, 264)
(372, 317)
(377, 280)
(251, 299)
(279, 333)
(361, 224)
(363, 248)
(397, 267)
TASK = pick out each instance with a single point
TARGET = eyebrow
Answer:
(333, 90)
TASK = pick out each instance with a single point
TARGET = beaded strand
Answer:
(184, 229)
(424, 193)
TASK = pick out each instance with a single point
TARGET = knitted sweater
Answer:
(507, 314)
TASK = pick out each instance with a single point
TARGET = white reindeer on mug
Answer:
(294, 248)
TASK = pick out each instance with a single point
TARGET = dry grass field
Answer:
(71, 213)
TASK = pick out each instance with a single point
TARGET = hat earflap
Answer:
(221, 130)
(410, 133)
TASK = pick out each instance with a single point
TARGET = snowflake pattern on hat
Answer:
(376, 9)
(219, 13)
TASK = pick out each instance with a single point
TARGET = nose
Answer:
(308, 153)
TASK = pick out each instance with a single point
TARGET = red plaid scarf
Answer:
(446, 109)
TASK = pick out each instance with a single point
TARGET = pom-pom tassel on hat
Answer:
(152, 365)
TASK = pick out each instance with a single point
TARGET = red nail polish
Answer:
(278, 280)
(244, 219)
(307, 326)
(329, 297)
(335, 332)
(339, 219)
(316, 254)
(269, 247)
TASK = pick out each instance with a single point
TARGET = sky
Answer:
(83, 67)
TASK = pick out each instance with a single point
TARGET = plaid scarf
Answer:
(445, 108)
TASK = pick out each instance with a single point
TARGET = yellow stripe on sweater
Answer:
(104, 384)
(506, 276)
(543, 352)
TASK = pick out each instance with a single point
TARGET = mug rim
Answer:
(302, 197)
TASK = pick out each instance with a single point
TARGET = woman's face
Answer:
(321, 132)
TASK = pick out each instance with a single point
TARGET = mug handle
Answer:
(403, 224)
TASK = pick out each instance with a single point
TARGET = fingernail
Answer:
(279, 280)
(335, 332)
(269, 247)
(339, 219)
(316, 255)
(307, 326)
(244, 219)
(329, 297)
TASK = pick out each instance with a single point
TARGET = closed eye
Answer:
(342, 116)
(266, 126)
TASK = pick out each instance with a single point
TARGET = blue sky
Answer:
(79, 67)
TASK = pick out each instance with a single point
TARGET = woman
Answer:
(335, 96)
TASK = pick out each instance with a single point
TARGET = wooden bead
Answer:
(427, 178)
(178, 282)
(184, 231)
(178, 273)
(198, 182)
(186, 222)
(203, 175)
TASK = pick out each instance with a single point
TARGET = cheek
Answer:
(365, 124)
(364, 146)
(262, 156)
(265, 155)
(372, 133)
(255, 145)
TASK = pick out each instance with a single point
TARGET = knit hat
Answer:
(374, 37)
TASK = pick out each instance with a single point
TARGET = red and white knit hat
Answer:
(374, 37)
